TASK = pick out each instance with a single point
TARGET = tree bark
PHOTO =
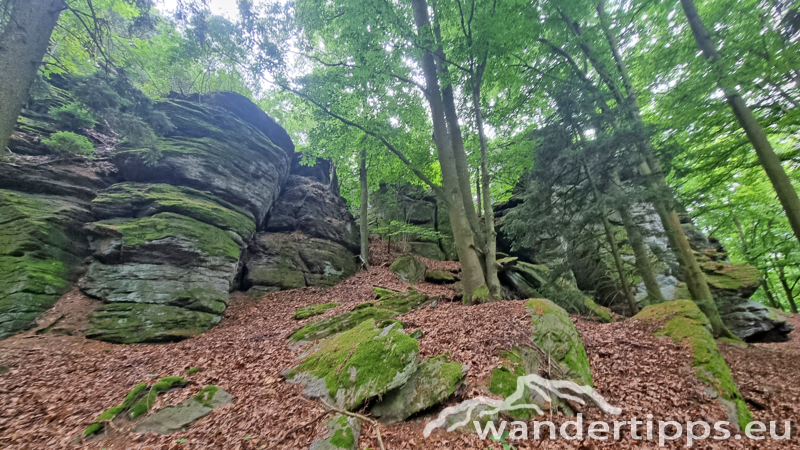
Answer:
(364, 220)
(642, 256)
(471, 269)
(786, 288)
(490, 238)
(612, 241)
(22, 47)
(752, 128)
(663, 200)
(746, 252)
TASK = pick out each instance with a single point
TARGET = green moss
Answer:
(408, 268)
(730, 276)
(388, 304)
(381, 292)
(192, 370)
(359, 361)
(181, 200)
(343, 437)
(683, 321)
(503, 381)
(114, 411)
(163, 385)
(480, 295)
(598, 311)
(209, 239)
(313, 310)
(206, 394)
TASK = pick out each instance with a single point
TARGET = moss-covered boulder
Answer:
(554, 333)
(176, 418)
(683, 321)
(597, 312)
(434, 381)
(428, 250)
(41, 253)
(128, 323)
(313, 310)
(278, 261)
(440, 277)
(356, 365)
(408, 268)
(387, 305)
(503, 380)
(342, 434)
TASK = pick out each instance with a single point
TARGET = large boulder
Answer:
(683, 321)
(357, 365)
(434, 381)
(315, 209)
(408, 268)
(277, 261)
(176, 418)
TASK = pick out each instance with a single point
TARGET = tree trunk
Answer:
(22, 47)
(612, 241)
(471, 269)
(663, 200)
(755, 133)
(786, 288)
(490, 237)
(363, 220)
(764, 276)
(772, 300)
(642, 256)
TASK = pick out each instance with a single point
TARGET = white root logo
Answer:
(542, 386)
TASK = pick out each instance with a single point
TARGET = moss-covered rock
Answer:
(41, 254)
(554, 333)
(176, 418)
(163, 385)
(434, 381)
(127, 323)
(408, 268)
(387, 305)
(428, 250)
(440, 276)
(683, 321)
(342, 434)
(111, 413)
(503, 380)
(278, 261)
(357, 365)
(313, 310)
(598, 312)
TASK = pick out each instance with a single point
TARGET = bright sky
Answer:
(226, 8)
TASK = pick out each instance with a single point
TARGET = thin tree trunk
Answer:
(786, 288)
(363, 220)
(478, 189)
(642, 256)
(22, 47)
(663, 200)
(755, 133)
(746, 252)
(471, 269)
(770, 296)
(490, 248)
(612, 241)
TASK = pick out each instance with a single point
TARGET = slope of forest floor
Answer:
(56, 383)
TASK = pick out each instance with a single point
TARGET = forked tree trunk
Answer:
(364, 220)
(490, 238)
(755, 133)
(22, 47)
(471, 269)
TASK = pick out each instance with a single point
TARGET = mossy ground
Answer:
(313, 310)
(206, 395)
(360, 363)
(683, 321)
(111, 413)
(162, 385)
(503, 381)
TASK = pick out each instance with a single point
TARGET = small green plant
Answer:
(67, 141)
(151, 156)
(502, 440)
(192, 371)
(404, 229)
(73, 116)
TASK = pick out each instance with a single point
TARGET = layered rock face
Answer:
(309, 238)
(43, 207)
(165, 227)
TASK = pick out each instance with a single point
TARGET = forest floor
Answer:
(53, 383)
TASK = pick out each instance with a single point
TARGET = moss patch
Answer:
(111, 413)
(207, 238)
(683, 321)
(359, 364)
(206, 395)
(163, 385)
(192, 370)
(313, 310)
(597, 311)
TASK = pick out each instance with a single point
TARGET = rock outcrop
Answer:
(408, 268)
